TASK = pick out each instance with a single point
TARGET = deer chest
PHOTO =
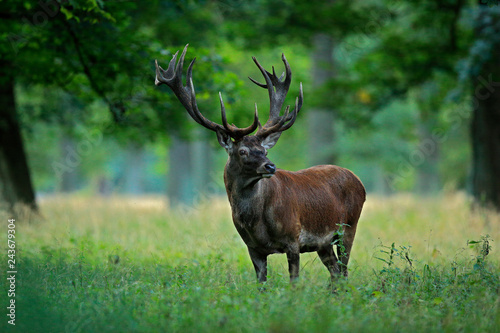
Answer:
(259, 231)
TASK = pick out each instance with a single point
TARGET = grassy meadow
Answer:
(134, 265)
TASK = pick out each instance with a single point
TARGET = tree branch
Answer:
(453, 26)
(117, 109)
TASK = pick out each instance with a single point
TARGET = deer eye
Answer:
(243, 152)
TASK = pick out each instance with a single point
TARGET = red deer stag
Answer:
(277, 211)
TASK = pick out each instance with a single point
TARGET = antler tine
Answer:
(235, 131)
(290, 120)
(267, 77)
(172, 77)
(180, 64)
(257, 83)
(293, 116)
(278, 89)
(299, 100)
(264, 131)
(164, 76)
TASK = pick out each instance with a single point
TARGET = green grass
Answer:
(132, 265)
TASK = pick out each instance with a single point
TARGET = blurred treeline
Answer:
(404, 93)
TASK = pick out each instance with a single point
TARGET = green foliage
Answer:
(486, 24)
(55, 45)
(339, 242)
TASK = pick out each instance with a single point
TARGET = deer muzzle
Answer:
(267, 170)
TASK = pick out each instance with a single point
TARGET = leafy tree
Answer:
(92, 50)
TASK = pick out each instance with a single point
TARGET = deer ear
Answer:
(224, 139)
(270, 140)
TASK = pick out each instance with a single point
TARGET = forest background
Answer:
(404, 93)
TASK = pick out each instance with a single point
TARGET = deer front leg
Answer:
(260, 264)
(293, 256)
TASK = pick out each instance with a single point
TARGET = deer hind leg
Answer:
(329, 259)
(260, 264)
(344, 247)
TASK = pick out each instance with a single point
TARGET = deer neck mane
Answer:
(238, 184)
(246, 197)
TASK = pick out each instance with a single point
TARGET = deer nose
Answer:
(270, 167)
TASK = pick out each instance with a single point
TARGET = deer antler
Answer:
(278, 89)
(172, 77)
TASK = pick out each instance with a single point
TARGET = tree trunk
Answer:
(70, 179)
(485, 126)
(428, 97)
(428, 181)
(378, 181)
(201, 155)
(134, 170)
(180, 180)
(189, 170)
(320, 120)
(15, 178)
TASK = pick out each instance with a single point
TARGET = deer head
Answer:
(247, 153)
